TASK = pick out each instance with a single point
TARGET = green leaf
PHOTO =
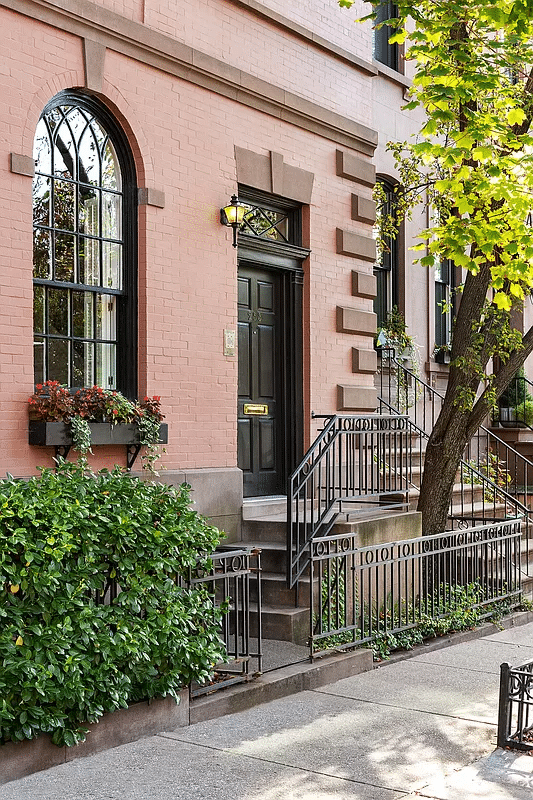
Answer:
(515, 116)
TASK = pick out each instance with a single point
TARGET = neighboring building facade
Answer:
(128, 124)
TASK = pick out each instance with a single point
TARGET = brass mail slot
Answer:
(256, 408)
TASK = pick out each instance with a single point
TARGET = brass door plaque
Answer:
(259, 409)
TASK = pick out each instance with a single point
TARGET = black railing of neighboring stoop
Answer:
(515, 715)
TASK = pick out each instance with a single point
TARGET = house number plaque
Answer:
(256, 408)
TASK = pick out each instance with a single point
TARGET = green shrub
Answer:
(66, 657)
(524, 412)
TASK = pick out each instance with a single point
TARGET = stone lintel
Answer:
(94, 64)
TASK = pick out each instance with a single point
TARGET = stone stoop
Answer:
(286, 612)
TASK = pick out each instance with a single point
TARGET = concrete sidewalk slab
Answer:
(523, 636)
(165, 769)
(502, 775)
(482, 655)
(382, 746)
(424, 687)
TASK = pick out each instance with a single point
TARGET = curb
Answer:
(281, 682)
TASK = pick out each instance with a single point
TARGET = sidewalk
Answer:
(420, 728)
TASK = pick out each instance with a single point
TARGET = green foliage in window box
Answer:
(66, 658)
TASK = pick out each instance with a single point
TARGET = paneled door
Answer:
(260, 381)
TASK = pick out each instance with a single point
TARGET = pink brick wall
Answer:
(183, 139)
(237, 37)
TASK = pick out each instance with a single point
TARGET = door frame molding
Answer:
(286, 260)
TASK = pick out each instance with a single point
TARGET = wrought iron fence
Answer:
(356, 460)
(360, 593)
(234, 577)
(515, 715)
(233, 580)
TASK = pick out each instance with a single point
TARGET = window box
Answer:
(58, 434)
(442, 357)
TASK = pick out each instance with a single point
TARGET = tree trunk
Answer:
(443, 455)
(456, 425)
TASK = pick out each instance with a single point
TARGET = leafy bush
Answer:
(71, 648)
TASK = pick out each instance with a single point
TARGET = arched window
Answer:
(84, 244)
(386, 269)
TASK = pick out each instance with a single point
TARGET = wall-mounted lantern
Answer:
(232, 216)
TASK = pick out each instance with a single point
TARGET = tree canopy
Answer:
(472, 163)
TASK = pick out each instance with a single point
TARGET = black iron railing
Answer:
(494, 479)
(229, 581)
(362, 593)
(515, 406)
(233, 581)
(515, 715)
(355, 461)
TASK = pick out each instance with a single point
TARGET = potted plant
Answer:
(393, 335)
(95, 416)
(441, 353)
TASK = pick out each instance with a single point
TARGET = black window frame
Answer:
(387, 270)
(126, 297)
(385, 52)
(444, 296)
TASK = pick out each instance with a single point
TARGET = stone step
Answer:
(265, 529)
(284, 623)
(472, 493)
(264, 507)
(275, 591)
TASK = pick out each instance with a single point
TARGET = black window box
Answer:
(58, 434)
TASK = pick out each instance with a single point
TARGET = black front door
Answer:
(260, 416)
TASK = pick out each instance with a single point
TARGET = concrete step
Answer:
(472, 493)
(275, 591)
(284, 623)
(264, 507)
(265, 529)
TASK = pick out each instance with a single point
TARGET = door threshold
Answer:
(263, 498)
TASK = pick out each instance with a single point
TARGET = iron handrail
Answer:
(513, 464)
(345, 464)
(434, 393)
